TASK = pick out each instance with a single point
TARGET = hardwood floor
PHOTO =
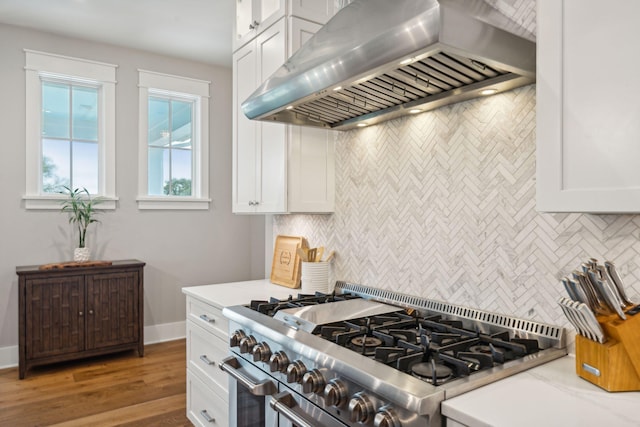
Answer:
(116, 390)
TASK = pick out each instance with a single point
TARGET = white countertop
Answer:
(548, 395)
(237, 293)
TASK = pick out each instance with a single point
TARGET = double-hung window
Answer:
(70, 132)
(173, 142)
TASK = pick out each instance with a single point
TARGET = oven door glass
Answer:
(249, 392)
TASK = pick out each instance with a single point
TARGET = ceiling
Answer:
(198, 30)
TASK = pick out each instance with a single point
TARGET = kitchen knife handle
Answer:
(607, 293)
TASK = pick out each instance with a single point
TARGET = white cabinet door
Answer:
(311, 163)
(254, 17)
(588, 114)
(272, 168)
(277, 168)
(245, 132)
(311, 160)
(319, 11)
(259, 149)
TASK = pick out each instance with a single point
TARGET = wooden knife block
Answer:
(617, 361)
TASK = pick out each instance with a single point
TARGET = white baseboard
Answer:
(165, 332)
(8, 357)
(152, 334)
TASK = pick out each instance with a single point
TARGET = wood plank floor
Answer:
(115, 390)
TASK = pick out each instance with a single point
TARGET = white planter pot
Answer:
(81, 254)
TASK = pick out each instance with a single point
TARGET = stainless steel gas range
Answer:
(365, 356)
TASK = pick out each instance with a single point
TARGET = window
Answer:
(173, 142)
(70, 128)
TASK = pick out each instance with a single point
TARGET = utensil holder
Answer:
(315, 277)
(614, 365)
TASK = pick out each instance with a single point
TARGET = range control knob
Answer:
(386, 417)
(236, 337)
(261, 352)
(278, 362)
(313, 382)
(335, 393)
(295, 371)
(361, 408)
(247, 343)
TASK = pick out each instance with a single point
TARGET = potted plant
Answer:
(81, 210)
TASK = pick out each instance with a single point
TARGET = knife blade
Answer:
(569, 288)
(590, 319)
(607, 293)
(604, 276)
(577, 291)
(615, 278)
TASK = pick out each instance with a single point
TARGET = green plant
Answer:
(81, 210)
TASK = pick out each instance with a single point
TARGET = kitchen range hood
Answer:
(376, 60)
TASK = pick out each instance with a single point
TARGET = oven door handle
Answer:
(285, 404)
(264, 388)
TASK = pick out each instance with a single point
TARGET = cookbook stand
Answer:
(614, 365)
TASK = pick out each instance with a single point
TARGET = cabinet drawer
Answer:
(204, 407)
(204, 353)
(208, 317)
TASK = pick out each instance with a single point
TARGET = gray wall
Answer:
(179, 247)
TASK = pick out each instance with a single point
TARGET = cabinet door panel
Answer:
(253, 17)
(245, 138)
(272, 54)
(301, 32)
(112, 311)
(312, 163)
(587, 132)
(319, 11)
(54, 324)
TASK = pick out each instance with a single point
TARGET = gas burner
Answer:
(365, 345)
(485, 349)
(432, 372)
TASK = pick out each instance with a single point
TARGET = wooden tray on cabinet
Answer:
(285, 269)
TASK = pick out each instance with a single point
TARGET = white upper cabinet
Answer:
(255, 16)
(588, 108)
(278, 168)
(260, 150)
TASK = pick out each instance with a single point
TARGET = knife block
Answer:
(614, 365)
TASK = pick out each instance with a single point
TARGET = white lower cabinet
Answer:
(204, 406)
(207, 345)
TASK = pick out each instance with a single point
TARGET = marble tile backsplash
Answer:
(442, 205)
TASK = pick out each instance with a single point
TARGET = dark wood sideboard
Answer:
(76, 312)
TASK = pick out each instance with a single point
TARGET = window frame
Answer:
(43, 65)
(152, 83)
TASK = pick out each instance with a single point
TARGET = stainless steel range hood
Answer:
(378, 59)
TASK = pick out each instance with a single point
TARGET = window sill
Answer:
(54, 202)
(172, 203)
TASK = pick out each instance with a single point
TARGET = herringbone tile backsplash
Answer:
(442, 205)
